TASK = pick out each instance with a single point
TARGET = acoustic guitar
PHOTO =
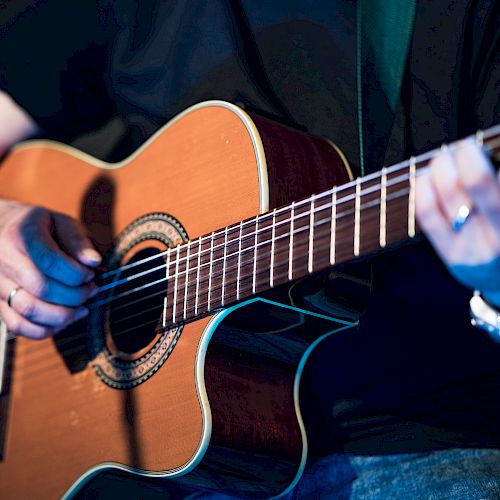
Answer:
(173, 380)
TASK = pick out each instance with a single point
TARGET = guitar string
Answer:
(118, 333)
(371, 189)
(231, 282)
(247, 236)
(323, 223)
(320, 208)
(419, 160)
(370, 205)
(319, 222)
(266, 217)
(66, 343)
(388, 171)
(192, 282)
(173, 262)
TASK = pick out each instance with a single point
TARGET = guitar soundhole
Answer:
(136, 305)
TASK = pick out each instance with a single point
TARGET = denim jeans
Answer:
(458, 474)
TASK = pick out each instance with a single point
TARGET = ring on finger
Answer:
(12, 294)
(461, 217)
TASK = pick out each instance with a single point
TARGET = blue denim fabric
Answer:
(458, 474)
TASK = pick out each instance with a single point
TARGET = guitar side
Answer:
(207, 169)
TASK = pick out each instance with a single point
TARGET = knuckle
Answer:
(7, 259)
(27, 309)
(14, 325)
(12, 237)
(42, 333)
(476, 182)
(12, 232)
(38, 286)
(28, 223)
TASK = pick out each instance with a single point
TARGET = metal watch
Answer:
(485, 316)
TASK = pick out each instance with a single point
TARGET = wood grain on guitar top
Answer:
(202, 169)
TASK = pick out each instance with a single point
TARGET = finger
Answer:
(37, 311)
(430, 217)
(477, 178)
(18, 325)
(74, 241)
(445, 183)
(24, 273)
(48, 257)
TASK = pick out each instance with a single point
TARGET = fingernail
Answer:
(91, 256)
(80, 313)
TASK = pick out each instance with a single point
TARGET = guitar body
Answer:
(206, 403)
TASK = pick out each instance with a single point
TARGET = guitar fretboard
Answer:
(291, 242)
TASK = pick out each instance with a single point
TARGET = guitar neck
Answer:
(296, 240)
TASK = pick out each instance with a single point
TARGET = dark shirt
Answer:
(415, 375)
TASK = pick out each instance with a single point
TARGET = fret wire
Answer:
(383, 209)
(143, 299)
(311, 239)
(333, 228)
(210, 272)
(411, 200)
(327, 220)
(174, 310)
(420, 161)
(290, 249)
(479, 138)
(338, 216)
(357, 203)
(333, 205)
(273, 235)
(254, 276)
(224, 267)
(187, 280)
(339, 202)
(196, 299)
(323, 221)
(165, 299)
(345, 239)
(238, 273)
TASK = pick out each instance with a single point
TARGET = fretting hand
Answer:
(458, 208)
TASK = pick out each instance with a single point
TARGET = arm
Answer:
(15, 123)
(46, 256)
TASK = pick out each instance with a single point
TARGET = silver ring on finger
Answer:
(463, 214)
(12, 294)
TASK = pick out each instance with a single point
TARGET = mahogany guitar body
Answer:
(207, 403)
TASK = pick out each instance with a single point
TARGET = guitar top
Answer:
(215, 209)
